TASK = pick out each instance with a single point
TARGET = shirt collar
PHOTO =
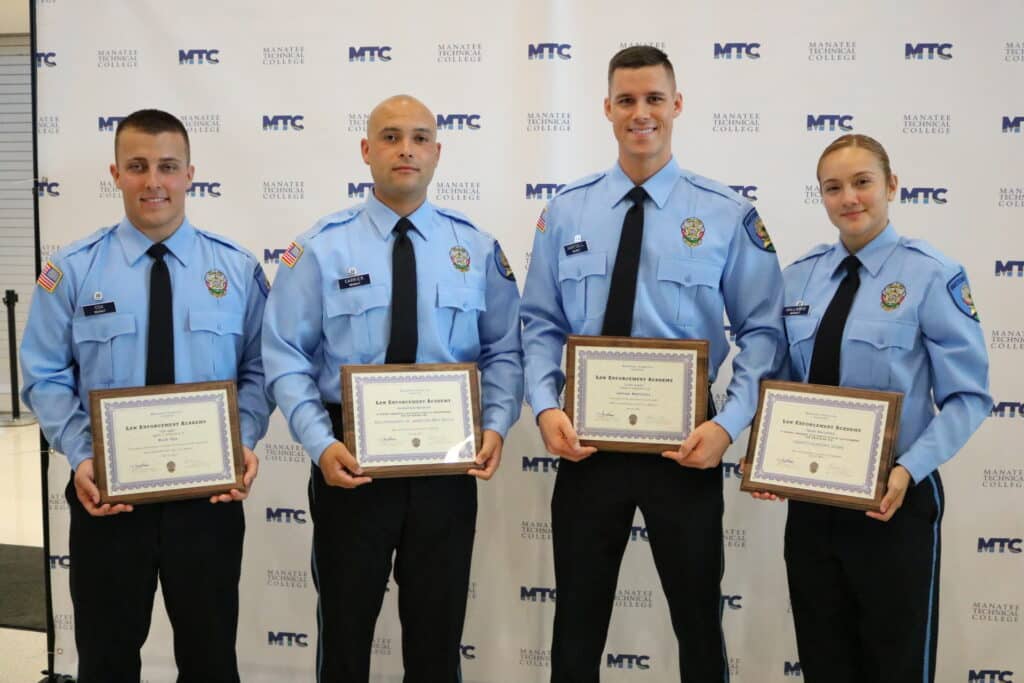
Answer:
(384, 218)
(658, 186)
(135, 243)
(872, 256)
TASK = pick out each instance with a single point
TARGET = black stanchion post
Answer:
(10, 299)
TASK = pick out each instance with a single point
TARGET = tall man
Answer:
(150, 300)
(392, 280)
(646, 249)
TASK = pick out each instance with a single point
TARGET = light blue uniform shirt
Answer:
(332, 307)
(218, 292)
(705, 253)
(912, 328)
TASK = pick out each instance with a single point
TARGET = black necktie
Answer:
(160, 343)
(825, 359)
(403, 340)
(618, 316)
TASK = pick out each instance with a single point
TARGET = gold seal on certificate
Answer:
(167, 442)
(823, 444)
(412, 420)
(633, 394)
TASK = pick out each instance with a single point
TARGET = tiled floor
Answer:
(22, 653)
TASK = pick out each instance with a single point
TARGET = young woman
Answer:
(877, 310)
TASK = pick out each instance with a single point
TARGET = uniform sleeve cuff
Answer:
(918, 471)
(316, 448)
(731, 423)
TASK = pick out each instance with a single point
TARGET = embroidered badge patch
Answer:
(541, 223)
(501, 263)
(693, 232)
(216, 283)
(960, 290)
(49, 277)
(460, 258)
(291, 255)
(757, 232)
(261, 280)
(893, 295)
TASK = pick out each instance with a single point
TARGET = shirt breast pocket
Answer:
(215, 341)
(355, 321)
(800, 332)
(876, 349)
(578, 278)
(685, 286)
(105, 348)
(458, 315)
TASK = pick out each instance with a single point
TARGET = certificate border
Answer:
(105, 457)
(413, 464)
(790, 487)
(635, 347)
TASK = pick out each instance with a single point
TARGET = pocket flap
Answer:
(355, 300)
(102, 328)
(801, 327)
(689, 272)
(218, 322)
(461, 298)
(882, 333)
(583, 265)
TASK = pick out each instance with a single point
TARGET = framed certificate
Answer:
(635, 395)
(166, 442)
(412, 420)
(823, 444)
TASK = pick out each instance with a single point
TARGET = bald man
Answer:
(394, 279)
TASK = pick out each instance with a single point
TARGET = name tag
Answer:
(99, 309)
(799, 309)
(354, 281)
(575, 248)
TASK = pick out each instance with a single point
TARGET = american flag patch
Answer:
(291, 255)
(50, 277)
(541, 223)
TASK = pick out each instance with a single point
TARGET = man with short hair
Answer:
(150, 300)
(394, 279)
(646, 249)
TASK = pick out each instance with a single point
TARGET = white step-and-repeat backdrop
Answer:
(276, 97)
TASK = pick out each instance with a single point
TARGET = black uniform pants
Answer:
(592, 513)
(427, 524)
(865, 594)
(195, 549)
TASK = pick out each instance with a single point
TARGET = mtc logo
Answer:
(549, 51)
(989, 676)
(46, 59)
(639, 533)
(204, 190)
(748, 192)
(928, 50)
(731, 469)
(1008, 269)
(540, 464)
(283, 122)
(60, 562)
(286, 516)
(830, 122)
(624, 661)
(458, 121)
(1011, 124)
(107, 124)
(737, 50)
(358, 189)
(792, 669)
(999, 545)
(273, 255)
(45, 188)
(543, 190)
(732, 601)
(1009, 408)
(468, 651)
(198, 56)
(370, 53)
(923, 195)
(536, 594)
(285, 639)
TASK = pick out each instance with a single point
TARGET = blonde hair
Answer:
(857, 140)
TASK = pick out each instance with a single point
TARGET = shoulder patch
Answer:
(960, 290)
(261, 279)
(457, 216)
(582, 182)
(756, 231)
(542, 223)
(501, 263)
(49, 277)
(816, 250)
(292, 255)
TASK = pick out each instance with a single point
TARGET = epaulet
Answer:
(582, 182)
(84, 243)
(816, 250)
(457, 216)
(226, 241)
(928, 250)
(331, 220)
(713, 186)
